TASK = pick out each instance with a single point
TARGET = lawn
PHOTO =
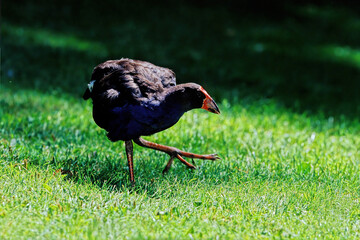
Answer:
(288, 133)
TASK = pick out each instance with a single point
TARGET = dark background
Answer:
(304, 55)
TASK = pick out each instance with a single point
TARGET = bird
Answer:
(133, 98)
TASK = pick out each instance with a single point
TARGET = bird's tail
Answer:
(87, 94)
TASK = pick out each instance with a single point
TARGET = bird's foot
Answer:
(180, 154)
(212, 157)
(175, 153)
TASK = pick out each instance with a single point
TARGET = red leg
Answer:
(168, 165)
(174, 152)
(129, 155)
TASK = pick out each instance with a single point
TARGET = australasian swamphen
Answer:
(133, 98)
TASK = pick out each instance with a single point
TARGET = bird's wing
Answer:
(128, 81)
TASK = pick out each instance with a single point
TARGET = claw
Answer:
(215, 156)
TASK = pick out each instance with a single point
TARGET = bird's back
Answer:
(140, 79)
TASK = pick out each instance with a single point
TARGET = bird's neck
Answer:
(175, 98)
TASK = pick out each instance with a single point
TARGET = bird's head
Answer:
(194, 96)
(208, 103)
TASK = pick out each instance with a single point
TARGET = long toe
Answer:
(198, 156)
(213, 156)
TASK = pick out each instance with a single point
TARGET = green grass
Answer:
(282, 175)
(287, 85)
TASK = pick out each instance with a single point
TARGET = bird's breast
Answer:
(132, 121)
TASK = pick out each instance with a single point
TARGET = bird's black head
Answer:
(192, 95)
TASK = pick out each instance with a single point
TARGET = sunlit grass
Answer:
(282, 174)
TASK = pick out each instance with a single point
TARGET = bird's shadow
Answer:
(114, 175)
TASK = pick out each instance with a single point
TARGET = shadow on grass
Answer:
(306, 56)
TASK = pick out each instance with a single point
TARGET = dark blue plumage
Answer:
(132, 121)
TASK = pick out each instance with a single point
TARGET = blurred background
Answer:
(301, 54)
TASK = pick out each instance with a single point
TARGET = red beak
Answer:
(209, 104)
